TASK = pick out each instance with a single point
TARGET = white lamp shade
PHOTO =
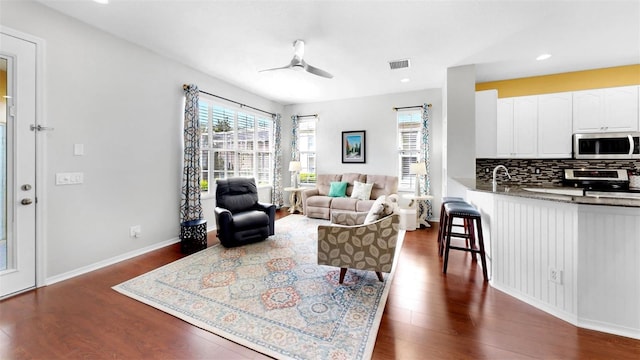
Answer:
(295, 166)
(419, 168)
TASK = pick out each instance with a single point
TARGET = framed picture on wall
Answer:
(354, 147)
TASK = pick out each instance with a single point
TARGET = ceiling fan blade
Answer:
(315, 71)
(278, 68)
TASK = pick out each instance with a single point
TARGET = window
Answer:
(234, 143)
(307, 147)
(409, 137)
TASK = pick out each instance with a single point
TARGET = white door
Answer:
(17, 164)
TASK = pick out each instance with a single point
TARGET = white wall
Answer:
(125, 104)
(376, 116)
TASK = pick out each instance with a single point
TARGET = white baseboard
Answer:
(560, 314)
(107, 262)
(609, 328)
(573, 319)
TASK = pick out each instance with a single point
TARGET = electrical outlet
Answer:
(135, 231)
(555, 275)
(486, 170)
(537, 170)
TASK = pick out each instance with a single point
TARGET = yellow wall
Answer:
(578, 80)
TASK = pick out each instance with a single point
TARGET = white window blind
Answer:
(409, 135)
(307, 146)
(234, 143)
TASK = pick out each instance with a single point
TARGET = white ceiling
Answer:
(354, 40)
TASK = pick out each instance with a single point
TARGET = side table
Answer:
(193, 236)
(420, 204)
(295, 199)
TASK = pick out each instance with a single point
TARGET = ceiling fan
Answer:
(298, 63)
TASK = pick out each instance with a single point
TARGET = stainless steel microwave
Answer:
(618, 145)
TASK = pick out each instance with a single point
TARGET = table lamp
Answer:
(294, 167)
(419, 168)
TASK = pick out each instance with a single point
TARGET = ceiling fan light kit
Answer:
(298, 63)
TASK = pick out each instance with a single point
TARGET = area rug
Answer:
(272, 296)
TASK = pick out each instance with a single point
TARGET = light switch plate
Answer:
(69, 178)
(78, 149)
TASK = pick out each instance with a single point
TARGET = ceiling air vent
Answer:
(399, 64)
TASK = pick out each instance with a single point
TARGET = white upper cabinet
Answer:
(555, 125)
(517, 124)
(486, 117)
(504, 129)
(606, 110)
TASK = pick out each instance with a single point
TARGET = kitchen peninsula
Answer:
(575, 257)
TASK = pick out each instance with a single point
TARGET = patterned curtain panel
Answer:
(425, 186)
(295, 152)
(277, 197)
(190, 206)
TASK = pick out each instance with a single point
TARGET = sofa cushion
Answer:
(323, 182)
(319, 201)
(338, 189)
(361, 191)
(351, 178)
(382, 185)
(364, 205)
(344, 204)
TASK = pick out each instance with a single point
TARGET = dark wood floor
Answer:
(427, 316)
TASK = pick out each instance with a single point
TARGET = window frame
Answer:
(304, 156)
(231, 145)
(407, 181)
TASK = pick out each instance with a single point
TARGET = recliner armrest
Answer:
(223, 217)
(270, 210)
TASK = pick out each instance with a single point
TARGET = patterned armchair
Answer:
(361, 246)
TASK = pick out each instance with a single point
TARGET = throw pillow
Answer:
(338, 189)
(361, 191)
(376, 210)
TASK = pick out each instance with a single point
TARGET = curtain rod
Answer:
(410, 107)
(312, 115)
(184, 87)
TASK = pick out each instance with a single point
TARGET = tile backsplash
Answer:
(523, 171)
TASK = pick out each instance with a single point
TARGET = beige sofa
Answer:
(317, 204)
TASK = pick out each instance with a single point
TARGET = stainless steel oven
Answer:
(618, 145)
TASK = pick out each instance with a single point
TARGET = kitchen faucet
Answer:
(495, 171)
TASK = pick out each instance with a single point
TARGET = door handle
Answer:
(26, 201)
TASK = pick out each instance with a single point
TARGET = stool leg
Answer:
(482, 254)
(440, 229)
(446, 246)
(471, 243)
(443, 237)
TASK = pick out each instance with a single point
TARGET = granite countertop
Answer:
(504, 188)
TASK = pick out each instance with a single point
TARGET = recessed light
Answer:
(104, 2)
(543, 57)
(405, 80)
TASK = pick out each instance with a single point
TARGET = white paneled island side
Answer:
(575, 257)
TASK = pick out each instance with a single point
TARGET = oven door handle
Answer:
(631, 144)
